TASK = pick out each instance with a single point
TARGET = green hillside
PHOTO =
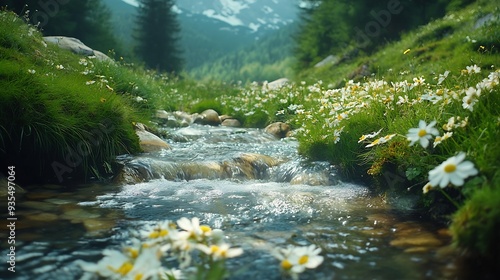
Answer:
(266, 59)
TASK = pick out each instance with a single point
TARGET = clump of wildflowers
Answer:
(295, 260)
(187, 241)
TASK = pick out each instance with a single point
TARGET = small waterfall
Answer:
(202, 152)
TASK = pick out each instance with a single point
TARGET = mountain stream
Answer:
(244, 181)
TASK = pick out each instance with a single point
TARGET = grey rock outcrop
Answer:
(76, 46)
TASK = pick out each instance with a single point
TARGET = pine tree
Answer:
(157, 36)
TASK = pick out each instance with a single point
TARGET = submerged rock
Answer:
(244, 166)
(414, 238)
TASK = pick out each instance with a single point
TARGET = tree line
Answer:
(156, 32)
(336, 26)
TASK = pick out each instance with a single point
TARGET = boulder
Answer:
(278, 129)
(76, 46)
(148, 141)
(329, 60)
(208, 117)
(276, 84)
(71, 44)
(102, 57)
(231, 123)
(174, 119)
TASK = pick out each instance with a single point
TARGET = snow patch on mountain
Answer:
(252, 14)
(230, 19)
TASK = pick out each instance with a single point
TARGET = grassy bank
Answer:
(425, 110)
(59, 119)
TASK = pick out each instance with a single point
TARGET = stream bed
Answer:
(244, 181)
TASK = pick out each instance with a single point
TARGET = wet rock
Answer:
(413, 250)
(278, 129)
(208, 117)
(95, 225)
(376, 232)
(43, 217)
(184, 119)
(381, 219)
(78, 215)
(209, 170)
(59, 201)
(231, 123)
(173, 119)
(422, 239)
(148, 141)
(39, 205)
(251, 166)
(162, 114)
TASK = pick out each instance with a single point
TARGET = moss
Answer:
(476, 225)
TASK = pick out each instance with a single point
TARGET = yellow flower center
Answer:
(422, 133)
(214, 248)
(124, 269)
(450, 168)
(303, 259)
(205, 229)
(133, 252)
(286, 265)
(138, 276)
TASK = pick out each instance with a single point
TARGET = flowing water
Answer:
(254, 187)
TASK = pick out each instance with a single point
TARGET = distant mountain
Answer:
(212, 29)
(266, 59)
(257, 15)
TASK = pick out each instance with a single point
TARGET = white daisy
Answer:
(422, 134)
(454, 170)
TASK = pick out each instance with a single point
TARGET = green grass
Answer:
(50, 117)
